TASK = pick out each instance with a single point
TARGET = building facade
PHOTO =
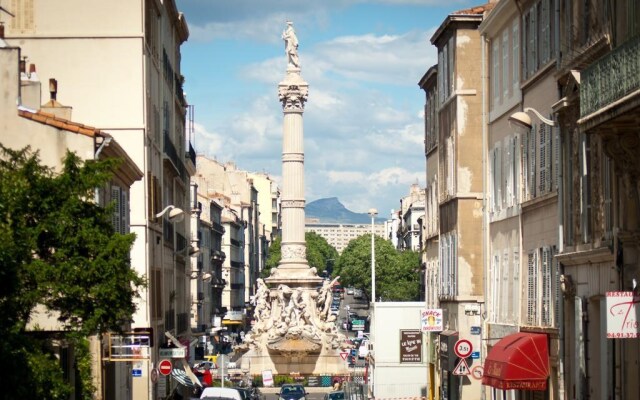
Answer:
(460, 191)
(145, 112)
(339, 235)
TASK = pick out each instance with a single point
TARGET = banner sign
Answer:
(623, 315)
(410, 346)
(431, 320)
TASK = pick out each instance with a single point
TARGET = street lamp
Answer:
(175, 214)
(522, 119)
(373, 212)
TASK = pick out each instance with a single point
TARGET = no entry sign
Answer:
(165, 367)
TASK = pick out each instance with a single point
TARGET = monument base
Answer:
(326, 363)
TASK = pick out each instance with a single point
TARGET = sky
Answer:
(364, 118)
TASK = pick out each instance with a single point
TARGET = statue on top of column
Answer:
(291, 45)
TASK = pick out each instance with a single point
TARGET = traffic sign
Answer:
(463, 348)
(344, 355)
(462, 368)
(165, 367)
(477, 372)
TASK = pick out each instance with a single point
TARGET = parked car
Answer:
(334, 395)
(202, 365)
(363, 350)
(292, 391)
(349, 290)
(221, 392)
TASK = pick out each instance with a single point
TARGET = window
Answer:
(446, 71)
(542, 288)
(515, 58)
(584, 157)
(514, 304)
(537, 46)
(532, 288)
(120, 216)
(449, 263)
(505, 63)
(495, 57)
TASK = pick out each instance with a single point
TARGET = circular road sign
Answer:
(463, 348)
(165, 367)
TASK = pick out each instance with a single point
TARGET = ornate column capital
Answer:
(293, 96)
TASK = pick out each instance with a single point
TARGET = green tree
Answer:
(319, 253)
(58, 249)
(396, 279)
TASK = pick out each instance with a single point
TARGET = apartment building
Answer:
(460, 190)
(430, 261)
(339, 235)
(23, 122)
(599, 85)
(412, 216)
(121, 73)
(522, 173)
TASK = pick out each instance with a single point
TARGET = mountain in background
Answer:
(330, 210)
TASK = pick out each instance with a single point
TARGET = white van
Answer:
(218, 392)
(363, 350)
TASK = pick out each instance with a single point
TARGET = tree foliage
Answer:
(396, 279)
(320, 253)
(58, 249)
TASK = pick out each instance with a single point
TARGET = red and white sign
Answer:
(477, 372)
(463, 348)
(623, 309)
(462, 368)
(344, 355)
(165, 367)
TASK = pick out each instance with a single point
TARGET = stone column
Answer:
(293, 268)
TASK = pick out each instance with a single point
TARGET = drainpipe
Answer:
(485, 212)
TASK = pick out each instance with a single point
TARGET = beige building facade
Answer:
(52, 136)
(460, 192)
(121, 72)
(339, 235)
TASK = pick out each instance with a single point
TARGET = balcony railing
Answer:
(191, 154)
(172, 154)
(610, 78)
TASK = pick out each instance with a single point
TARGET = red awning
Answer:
(519, 361)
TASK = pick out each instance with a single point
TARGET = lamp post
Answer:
(373, 212)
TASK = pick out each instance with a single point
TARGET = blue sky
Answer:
(363, 121)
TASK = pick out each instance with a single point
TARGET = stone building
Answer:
(121, 73)
(460, 182)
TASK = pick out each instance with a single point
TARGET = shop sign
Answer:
(410, 346)
(431, 320)
(172, 353)
(623, 315)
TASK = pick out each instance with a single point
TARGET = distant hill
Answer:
(330, 210)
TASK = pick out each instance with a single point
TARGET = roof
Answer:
(466, 15)
(61, 123)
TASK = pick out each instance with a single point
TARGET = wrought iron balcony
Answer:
(191, 154)
(172, 155)
(610, 78)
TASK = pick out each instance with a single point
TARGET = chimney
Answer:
(2, 41)
(33, 76)
(53, 88)
(53, 106)
(30, 89)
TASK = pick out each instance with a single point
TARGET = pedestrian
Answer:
(336, 384)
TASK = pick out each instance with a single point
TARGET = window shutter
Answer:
(452, 81)
(116, 218)
(494, 182)
(532, 287)
(516, 56)
(557, 301)
(556, 158)
(454, 264)
(499, 176)
(505, 64)
(495, 78)
(506, 177)
(515, 169)
(124, 212)
(515, 287)
(504, 292)
(546, 286)
(532, 163)
(495, 281)
(543, 158)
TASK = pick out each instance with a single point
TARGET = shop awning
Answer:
(519, 361)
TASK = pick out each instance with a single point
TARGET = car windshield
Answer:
(336, 396)
(292, 389)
